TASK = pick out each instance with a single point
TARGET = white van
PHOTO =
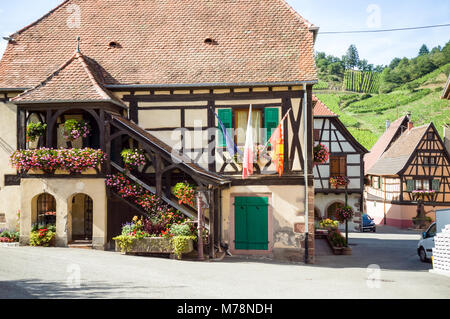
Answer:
(426, 244)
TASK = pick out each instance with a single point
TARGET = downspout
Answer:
(305, 171)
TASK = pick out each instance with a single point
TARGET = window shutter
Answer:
(435, 185)
(343, 166)
(381, 182)
(271, 119)
(409, 185)
(334, 166)
(226, 116)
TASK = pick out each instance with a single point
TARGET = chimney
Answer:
(410, 126)
(388, 123)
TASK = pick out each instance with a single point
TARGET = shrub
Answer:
(42, 237)
(329, 224)
(180, 230)
(336, 238)
(180, 243)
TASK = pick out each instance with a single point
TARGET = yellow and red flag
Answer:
(277, 142)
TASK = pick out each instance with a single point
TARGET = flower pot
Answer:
(346, 251)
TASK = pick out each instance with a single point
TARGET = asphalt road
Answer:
(395, 272)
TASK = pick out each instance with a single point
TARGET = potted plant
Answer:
(343, 215)
(321, 154)
(44, 236)
(185, 193)
(74, 129)
(133, 158)
(35, 131)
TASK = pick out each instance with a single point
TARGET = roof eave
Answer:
(68, 101)
(203, 85)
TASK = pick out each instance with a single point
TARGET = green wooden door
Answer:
(251, 223)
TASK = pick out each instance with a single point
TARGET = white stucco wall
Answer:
(9, 195)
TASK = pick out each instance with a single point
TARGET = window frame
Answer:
(338, 157)
(235, 115)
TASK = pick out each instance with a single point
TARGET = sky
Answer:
(329, 15)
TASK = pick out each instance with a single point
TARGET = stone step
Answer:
(80, 244)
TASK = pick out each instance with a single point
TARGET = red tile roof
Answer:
(397, 156)
(383, 143)
(163, 43)
(320, 109)
(72, 82)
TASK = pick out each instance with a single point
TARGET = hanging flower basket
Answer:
(321, 154)
(133, 158)
(344, 213)
(74, 129)
(185, 194)
(35, 130)
(339, 181)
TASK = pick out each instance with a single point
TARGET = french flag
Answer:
(248, 149)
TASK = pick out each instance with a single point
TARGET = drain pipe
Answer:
(305, 171)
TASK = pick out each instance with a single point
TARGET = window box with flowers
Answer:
(50, 161)
(150, 236)
(185, 194)
(339, 181)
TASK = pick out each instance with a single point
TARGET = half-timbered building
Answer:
(345, 159)
(153, 75)
(413, 170)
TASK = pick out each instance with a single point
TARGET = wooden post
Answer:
(212, 212)
(200, 227)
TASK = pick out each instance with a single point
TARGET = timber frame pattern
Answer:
(294, 150)
(431, 145)
(332, 126)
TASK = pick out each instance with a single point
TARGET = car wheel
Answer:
(422, 255)
(374, 230)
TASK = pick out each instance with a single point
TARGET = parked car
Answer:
(426, 243)
(368, 223)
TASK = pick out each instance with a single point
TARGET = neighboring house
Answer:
(446, 92)
(346, 159)
(407, 164)
(152, 75)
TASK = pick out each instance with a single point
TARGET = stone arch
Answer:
(317, 214)
(80, 215)
(43, 209)
(329, 211)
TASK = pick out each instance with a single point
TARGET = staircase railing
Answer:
(190, 212)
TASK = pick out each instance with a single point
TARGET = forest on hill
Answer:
(365, 96)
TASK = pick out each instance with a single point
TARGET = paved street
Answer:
(27, 272)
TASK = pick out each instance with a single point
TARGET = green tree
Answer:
(424, 50)
(352, 57)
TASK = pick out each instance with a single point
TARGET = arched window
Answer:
(46, 210)
(331, 211)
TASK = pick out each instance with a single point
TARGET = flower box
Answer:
(154, 245)
(336, 250)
